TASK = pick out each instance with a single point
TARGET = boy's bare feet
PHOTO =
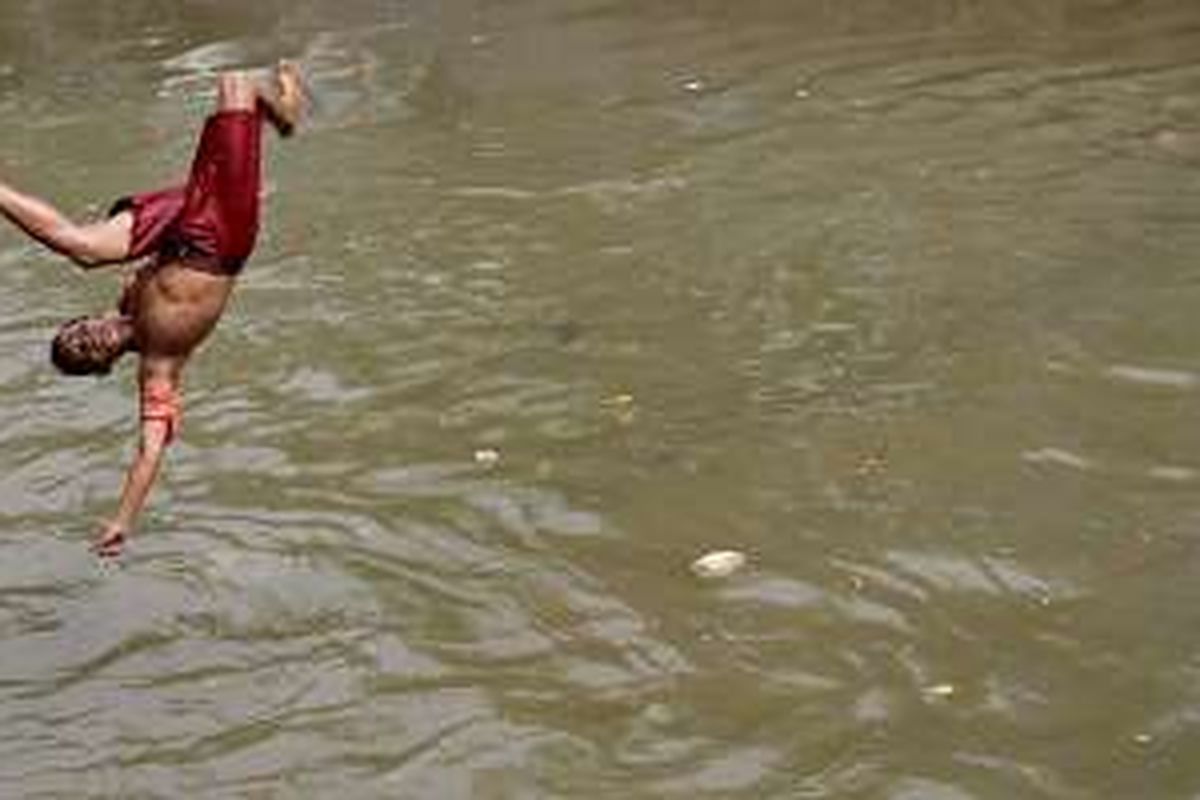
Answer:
(290, 100)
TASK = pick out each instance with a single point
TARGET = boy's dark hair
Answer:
(76, 350)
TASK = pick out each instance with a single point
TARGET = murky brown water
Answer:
(899, 298)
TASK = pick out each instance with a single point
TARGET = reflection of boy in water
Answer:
(199, 235)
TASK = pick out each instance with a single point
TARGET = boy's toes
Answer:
(293, 93)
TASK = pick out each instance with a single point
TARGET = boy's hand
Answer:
(110, 540)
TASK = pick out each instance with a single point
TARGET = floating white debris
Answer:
(1143, 738)
(719, 563)
(622, 407)
(487, 457)
(940, 690)
(1154, 376)
(693, 85)
(1057, 456)
(1173, 474)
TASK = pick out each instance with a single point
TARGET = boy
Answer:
(199, 235)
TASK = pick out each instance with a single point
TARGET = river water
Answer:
(554, 296)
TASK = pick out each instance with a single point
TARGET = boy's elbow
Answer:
(86, 257)
(152, 449)
(154, 440)
(83, 248)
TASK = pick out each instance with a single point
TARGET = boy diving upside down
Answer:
(197, 236)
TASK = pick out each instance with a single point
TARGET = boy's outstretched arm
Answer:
(138, 480)
(90, 245)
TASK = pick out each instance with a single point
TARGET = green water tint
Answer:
(553, 299)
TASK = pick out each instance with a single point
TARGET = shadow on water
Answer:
(553, 298)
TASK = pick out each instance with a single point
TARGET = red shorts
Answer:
(160, 401)
(212, 220)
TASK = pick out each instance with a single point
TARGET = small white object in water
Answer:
(622, 407)
(719, 563)
(487, 457)
(940, 690)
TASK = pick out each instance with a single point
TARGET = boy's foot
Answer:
(291, 97)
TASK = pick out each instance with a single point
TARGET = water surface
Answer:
(553, 297)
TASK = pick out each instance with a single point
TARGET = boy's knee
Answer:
(236, 90)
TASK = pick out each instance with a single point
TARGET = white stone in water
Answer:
(719, 563)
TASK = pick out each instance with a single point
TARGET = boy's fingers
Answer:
(110, 543)
(109, 550)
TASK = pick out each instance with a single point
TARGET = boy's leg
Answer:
(88, 245)
(220, 211)
(281, 99)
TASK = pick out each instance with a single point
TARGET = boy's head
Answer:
(90, 345)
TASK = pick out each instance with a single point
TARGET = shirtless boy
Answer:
(197, 236)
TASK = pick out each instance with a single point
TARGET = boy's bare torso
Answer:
(174, 307)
